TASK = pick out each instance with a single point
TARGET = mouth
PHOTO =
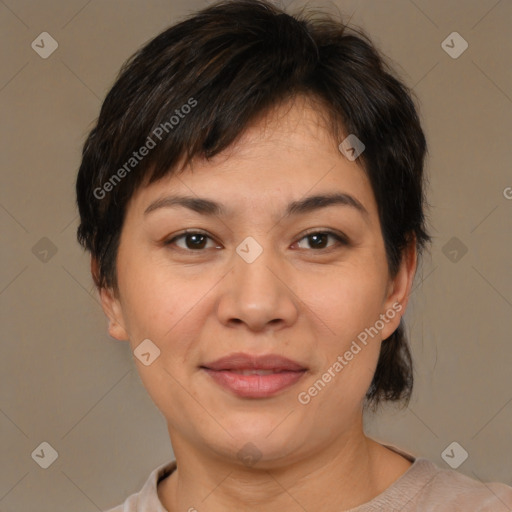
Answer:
(253, 372)
(249, 376)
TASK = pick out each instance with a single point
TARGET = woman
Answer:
(252, 198)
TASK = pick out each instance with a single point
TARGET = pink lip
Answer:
(254, 386)
(224, 372)
(241, 361)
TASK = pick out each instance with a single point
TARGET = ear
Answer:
(111, 307)
(399, 289)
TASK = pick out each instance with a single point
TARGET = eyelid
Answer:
(341, 239)
(326, 231)
(190, 231)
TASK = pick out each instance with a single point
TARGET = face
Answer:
(309, 284)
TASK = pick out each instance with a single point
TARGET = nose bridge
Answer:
(252, 265)
(257, 295)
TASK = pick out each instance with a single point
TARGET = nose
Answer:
(259, 295)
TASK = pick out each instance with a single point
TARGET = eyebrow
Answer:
(308, 204)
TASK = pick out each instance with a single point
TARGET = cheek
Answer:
(348, 302)
(152, 301)
(157, 308)
(348, 299)
(166, 305)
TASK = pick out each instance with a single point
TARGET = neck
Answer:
(355, 466)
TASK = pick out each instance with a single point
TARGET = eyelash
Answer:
(339, 237)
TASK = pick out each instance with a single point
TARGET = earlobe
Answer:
(111, 307)
(117, 331)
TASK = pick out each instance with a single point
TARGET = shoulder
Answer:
(146, 500)
(425, 487)
(447, 489)
(129, 505)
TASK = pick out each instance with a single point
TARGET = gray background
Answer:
(65, 382)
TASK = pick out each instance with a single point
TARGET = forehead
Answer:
(297, 126)
(282, 156)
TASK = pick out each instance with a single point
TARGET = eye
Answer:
(197, 240)
(193, 240)
(318, 239)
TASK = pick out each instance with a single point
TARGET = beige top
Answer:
(424, 487)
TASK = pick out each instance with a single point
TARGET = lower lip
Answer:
(254, 386)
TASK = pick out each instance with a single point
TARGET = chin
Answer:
(264, 442)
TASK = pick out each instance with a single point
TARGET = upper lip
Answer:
(241, 361)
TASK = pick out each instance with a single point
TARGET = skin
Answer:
(302, 300)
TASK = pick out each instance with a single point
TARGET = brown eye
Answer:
(319, 240)
(193, 241)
